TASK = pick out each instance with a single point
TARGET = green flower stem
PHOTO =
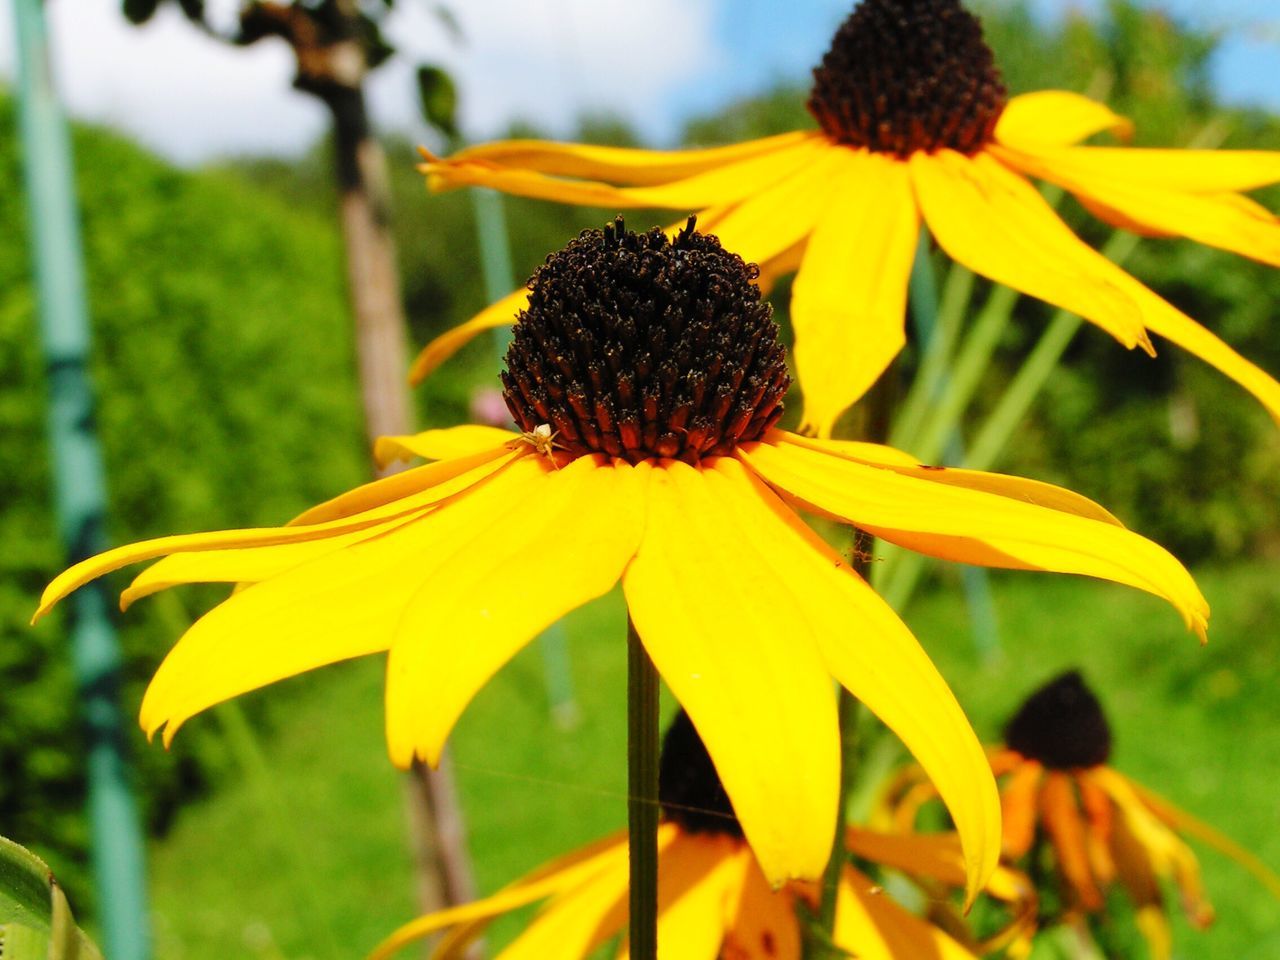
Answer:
(848, 709)
(642, 795)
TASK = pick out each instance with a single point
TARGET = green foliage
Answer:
(35, 917)
(223, 363)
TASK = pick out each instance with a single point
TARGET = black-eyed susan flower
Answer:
(914, 124)
(645, 377)
(713, 898)
(1102, 829)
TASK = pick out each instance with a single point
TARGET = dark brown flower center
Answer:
(689, 788)
(1061, 725)
(639, 346)
(908, 75)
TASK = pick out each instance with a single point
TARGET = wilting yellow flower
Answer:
(1104, 829)
(713, 898)
(646, 378)
(914, 124)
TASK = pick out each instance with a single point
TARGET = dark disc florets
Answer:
(1061, 725)
(689, 788)
(639, 346)
(909, 75)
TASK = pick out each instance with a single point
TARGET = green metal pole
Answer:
(79, 494)
(499, 280)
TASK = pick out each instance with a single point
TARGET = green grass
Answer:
(312, 863)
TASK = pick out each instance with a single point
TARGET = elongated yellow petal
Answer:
(762, 924)
(501, 313)
(1015, 488)
(722, 184)
(934, 856)
(245, 566)
(993, 221)
(971, 526)
(577, 922)
(1018, 805)
(481, 596)
(1056, 118)
(1217, 219)
(553, 878)
(413, 492)
(696, 875)
(417, 488)
(452, 443)
(873, 927)
(883, 665)
(1061, 818)
(720, 594)
(848, 305)
(618, 164)
(1184, 171)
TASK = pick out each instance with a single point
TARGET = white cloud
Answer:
(192, 98)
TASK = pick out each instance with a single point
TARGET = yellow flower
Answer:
(713, 898)
(914, 124)
(1104, 829)
(645, 377)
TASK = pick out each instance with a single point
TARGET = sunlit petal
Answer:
(500, 313)
(720, 596)
(1181, 170)
(848, 305)
(763, 923)
(1061, 818)
(502, 564)
(1056, 118)
(871, 925)
(452, 443)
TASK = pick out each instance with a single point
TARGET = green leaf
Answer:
(439, 98)
(35, 917)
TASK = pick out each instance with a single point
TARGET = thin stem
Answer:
(848, 710)
(642, 795)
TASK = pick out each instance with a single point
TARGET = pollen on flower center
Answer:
(639, 346)
(909, 75)
(1061, 725)
(689, 788)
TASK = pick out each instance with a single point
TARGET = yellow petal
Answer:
(1055, 118)
(872, 926)
(577, 922)
(848, 305)
(1184, 171)
(420, 487)
(715, 185)
(245, 566)
(379, 501)
(971, 526)
(1061, 818)
(450, 444)
(993, 221)
(501, 564)
(550, 879)
(696, 875)
(618, 164)
(1018, 806)
(501, 313)
(763, 923)
(1218, 219)
(935, 856)
(1015, 488)
(719, 592)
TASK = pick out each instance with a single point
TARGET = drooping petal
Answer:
(873, 927)
(449, 444)
(618, 164)
(561, 874)
(993, 221)
(1181, 170)
(696, 875)
(849, 302)
(933, 856)
(1218, 219)
(577, 922)
(1133, 867)
(1014, 488)
(762, 924)
(502, 564)
(500, 313)
(379, 502)
(1056, 118)
(729, 619)
(1099, 816)
(1061, 818)
(971, 526)
(1018, 806)
(715, 185)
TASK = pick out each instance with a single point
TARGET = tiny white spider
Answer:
(543, 439)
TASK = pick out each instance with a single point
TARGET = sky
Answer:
(654, 62)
